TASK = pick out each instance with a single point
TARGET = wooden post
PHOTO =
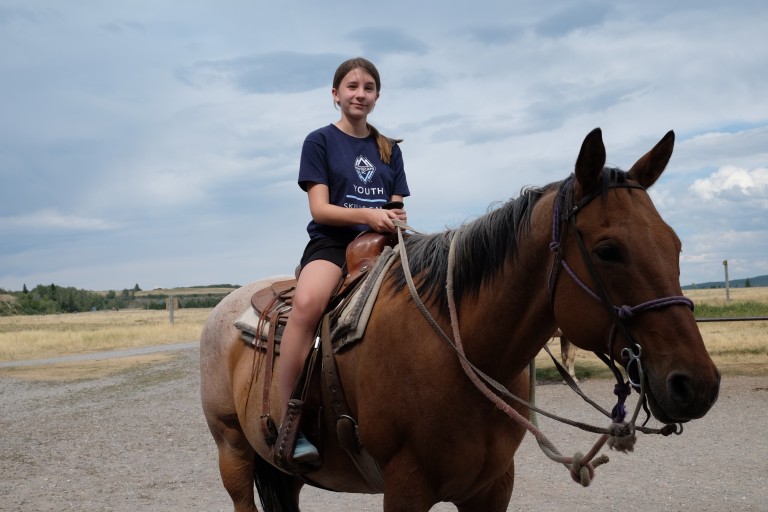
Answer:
(727, 285)
(171, 304)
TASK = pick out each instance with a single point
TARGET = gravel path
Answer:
(136, 441)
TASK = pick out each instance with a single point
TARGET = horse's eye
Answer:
(608, 253)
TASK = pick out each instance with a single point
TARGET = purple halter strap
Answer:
(564, 215)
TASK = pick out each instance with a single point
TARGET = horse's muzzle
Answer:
(681, 397)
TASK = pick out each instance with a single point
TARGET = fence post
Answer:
(171, 301)
(727, 285)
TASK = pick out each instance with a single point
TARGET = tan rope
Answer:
(582, 468)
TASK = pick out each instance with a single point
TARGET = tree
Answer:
(747, 284)
(136, 288)
(24, 289)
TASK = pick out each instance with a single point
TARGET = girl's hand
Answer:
(400, 214)
(382, 220)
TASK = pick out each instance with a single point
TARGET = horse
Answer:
(567, 354)
(589, 254)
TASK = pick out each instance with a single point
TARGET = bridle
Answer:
(620, 435)
(563, 222)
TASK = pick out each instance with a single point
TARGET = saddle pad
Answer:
(248, 323)
(352, 318)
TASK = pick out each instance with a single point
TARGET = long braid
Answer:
(384, 144)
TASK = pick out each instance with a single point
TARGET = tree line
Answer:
(53, 299)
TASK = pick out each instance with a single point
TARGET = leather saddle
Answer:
(273, 305)
(361, 255)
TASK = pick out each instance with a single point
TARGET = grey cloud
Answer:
(120, 26)
(269, 73)
(10, 14)
(574, 17)
(376, 42)
(495, 35)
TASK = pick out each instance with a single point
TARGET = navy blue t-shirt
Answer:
(354, 173)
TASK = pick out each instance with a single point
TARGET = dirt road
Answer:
(135, 440)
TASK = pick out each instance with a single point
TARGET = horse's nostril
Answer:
(681, 389)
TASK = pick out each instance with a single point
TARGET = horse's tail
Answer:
(277, 491)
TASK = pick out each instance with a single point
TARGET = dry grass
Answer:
(32, 337)
(736, 347)
(717, 296)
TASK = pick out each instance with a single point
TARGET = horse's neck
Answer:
(511, 317)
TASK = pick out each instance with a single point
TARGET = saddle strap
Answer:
(271, 313)
(346, 426)
(268, 427)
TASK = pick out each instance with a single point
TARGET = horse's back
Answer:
(222, 350)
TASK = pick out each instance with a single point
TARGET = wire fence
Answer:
(734, 319)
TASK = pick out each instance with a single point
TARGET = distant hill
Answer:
(733, 283)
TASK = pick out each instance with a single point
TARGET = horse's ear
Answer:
(650, 166)
(589, 164)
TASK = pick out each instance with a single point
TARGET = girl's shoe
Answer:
(304, 451)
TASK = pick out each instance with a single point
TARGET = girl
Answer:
(349, 170)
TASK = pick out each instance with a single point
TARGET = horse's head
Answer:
(619, 292)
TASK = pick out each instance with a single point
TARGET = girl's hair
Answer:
(384, 144)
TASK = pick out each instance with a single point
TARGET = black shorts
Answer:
(325, 248)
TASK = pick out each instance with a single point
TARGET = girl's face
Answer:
(356, 95)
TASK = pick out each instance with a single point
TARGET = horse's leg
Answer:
(406, 489)
(494, 499)
(568, 356)
(236, 459)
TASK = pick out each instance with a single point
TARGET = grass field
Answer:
(736, 347)
(33, 337)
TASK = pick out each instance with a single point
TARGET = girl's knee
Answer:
(306, 313)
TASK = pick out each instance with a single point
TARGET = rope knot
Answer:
(583, 473)
(622, 390)
(625, 312)
(671, 428)
(622, 438)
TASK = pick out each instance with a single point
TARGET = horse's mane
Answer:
(481, 249)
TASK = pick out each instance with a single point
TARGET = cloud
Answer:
(268, 73)
(11, 14)
(734, 184)
(581, 15)
(53, 220)
(379, 41)
(120, 26)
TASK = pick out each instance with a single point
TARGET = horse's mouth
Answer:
(660, 413)
(676, 399)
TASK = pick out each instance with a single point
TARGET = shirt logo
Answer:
(365, 169)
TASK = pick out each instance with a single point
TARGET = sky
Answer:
(157, 143)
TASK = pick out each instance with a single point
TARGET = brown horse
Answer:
(590, 255)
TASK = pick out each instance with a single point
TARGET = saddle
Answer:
(272, 305)
(361, 255)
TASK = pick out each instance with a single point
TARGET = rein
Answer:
(621, 435)
(582, 467)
